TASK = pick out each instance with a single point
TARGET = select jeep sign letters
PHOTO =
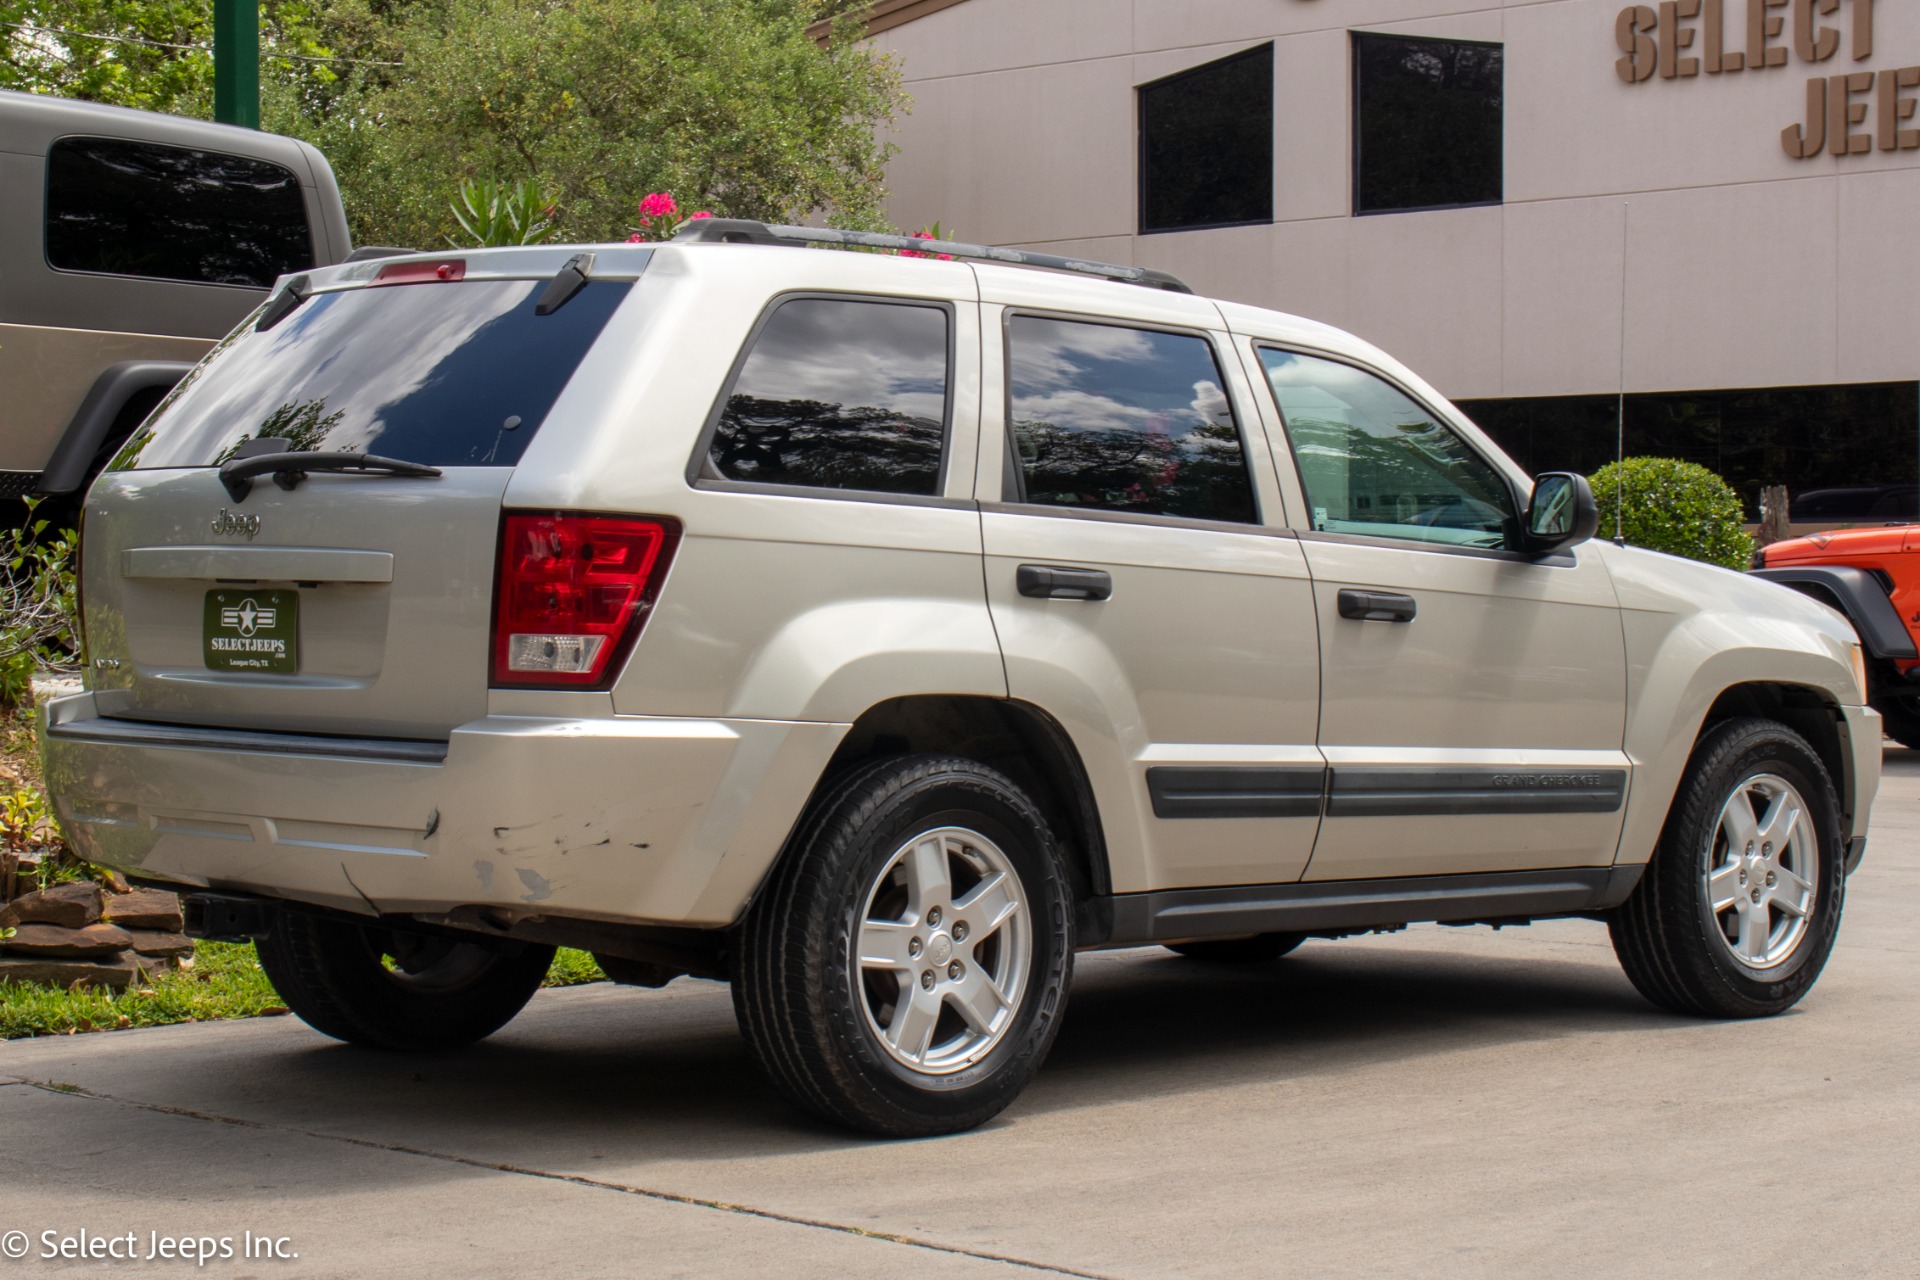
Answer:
(1848, 113)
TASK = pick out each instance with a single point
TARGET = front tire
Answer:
(905, 969)
(394, 989)
(1739, 908)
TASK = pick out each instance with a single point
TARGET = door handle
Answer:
(1056, 582)
(1375, 606)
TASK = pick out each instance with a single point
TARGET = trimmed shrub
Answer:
(1677, 507)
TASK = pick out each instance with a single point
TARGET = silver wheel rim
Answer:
(1762, 866)
(942, 951)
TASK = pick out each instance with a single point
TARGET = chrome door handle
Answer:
(1057, 582)
(1376, 606)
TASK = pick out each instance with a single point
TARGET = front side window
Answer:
(1116, 419)
(169, 213)
(1375, 461)
(1428, 120)
(1206, 145)
(839, 393)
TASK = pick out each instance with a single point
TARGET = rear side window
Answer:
(169, 213)
(1119, 419)
(456, 374)
(839, 393)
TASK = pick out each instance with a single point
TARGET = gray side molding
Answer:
(73, 457)
(1859, 595)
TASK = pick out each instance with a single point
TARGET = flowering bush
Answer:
(660, 217)
(928, 233)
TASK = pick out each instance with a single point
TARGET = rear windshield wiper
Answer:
(289, 469)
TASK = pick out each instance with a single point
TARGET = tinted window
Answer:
(1846, 454)
(1374, 461)
(445, 374)
(1427, 124)
(1206, 145)
(1123, 420)
(839, 394)
(135, 209)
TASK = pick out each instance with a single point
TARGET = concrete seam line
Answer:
(65, 1090)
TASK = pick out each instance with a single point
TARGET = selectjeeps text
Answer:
(873, 633)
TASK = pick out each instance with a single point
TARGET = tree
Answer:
(729, 104)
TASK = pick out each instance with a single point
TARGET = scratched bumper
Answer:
(631, 818)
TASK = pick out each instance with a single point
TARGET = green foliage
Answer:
(39, 626)
(225, 981)
(728, 103)
(573, 968)
(152, 54)
(500, 213)
(1681, 508)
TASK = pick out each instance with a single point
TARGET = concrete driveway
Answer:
(1436, 1102)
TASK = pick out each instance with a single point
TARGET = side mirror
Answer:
(1561, 513)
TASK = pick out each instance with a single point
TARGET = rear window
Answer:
(457, 374)
(169, 213)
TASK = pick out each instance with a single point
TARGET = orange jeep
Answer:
(1872, 576)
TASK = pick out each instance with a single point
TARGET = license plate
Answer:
(252, 630)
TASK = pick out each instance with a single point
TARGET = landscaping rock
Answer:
(117, 971)
(52, 940)
(153, 942)
(70, 906)
(146, 909)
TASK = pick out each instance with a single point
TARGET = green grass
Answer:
(225, 982)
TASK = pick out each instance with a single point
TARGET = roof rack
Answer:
(746, 231)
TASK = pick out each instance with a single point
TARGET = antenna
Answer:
(1620, 409)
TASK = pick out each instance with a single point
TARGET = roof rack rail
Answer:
(746, 231)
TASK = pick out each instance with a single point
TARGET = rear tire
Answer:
(905, 968)
(393, 989)
(1739, 908)
(1259, 949)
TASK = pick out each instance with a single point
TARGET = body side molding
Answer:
(1176, 914)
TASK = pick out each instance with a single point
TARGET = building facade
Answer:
(1713, 205)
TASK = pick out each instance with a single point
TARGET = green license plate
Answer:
(252, 630)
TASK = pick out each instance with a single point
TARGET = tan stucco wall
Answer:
(1744, 267)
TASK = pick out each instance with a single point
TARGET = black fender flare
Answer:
(67, 469)
(1856, 593)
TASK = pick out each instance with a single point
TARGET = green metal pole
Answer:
(236, 62)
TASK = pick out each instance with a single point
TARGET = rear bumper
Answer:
(626, 818)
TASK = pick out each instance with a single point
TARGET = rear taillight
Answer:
(571, 594)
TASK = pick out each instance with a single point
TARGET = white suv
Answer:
(874, 633)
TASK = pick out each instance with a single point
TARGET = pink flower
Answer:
(634, 238)
(702, 214)
(658, 204)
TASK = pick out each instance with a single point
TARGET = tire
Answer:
(952, 1012)
(1738, 961)
(437, 994)
(1259, 949)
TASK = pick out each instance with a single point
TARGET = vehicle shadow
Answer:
(593, 1078)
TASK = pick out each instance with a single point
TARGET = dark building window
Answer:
(1427, 123)
(840, 394)
(137, 209)
(1120, 419)
(1206, 145)
(1847, 454)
